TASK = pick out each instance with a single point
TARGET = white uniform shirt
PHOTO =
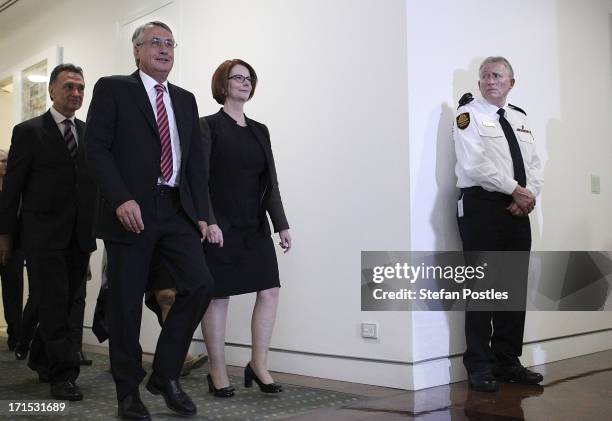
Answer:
(483, 154)
(149, 84)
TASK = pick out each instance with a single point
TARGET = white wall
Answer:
(359, 96)
(560, 51)
(333, 92)
(341, 148)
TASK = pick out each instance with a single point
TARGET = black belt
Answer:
(478, 191)
(163, 190)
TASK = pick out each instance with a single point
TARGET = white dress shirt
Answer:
(149, 84)
(483, 154)
(59, 120)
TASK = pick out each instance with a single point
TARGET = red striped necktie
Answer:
(164, 134)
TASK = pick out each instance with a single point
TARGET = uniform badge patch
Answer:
(463, 120)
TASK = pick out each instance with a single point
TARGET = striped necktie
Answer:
(69, 138)
(164, 134)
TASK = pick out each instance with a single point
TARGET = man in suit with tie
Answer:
(147, 156)
(500, 175)
(47, 202)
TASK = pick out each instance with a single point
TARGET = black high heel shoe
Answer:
(249, 376)
(224, 392)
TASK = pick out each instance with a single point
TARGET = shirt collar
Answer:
(488, 107)
(59, 117)
(149, 83)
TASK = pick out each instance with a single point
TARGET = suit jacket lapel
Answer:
(80, 128)
(261, 138)
(179, 117)
(55, 136)
(142, 99)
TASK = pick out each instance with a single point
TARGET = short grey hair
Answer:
(137, 36)
(497, 59)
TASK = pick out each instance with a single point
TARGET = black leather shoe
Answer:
(224, 392)
(21, 351)
(83, 360)
(517, 374)
(66, 391)
(176, 399)
(482, 381)
(132, 408)
(249, 376)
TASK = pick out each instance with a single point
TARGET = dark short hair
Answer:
(220, 79)
(137, 35)
(64, 67)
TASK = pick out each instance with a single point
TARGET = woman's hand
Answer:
(285, 240)
(214, 235)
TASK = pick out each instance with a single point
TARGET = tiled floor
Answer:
(577, 389)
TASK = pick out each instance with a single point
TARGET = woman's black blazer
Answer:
(214, 127)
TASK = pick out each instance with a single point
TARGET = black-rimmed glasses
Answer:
(241, 79)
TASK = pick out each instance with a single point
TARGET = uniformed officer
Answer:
(500, 175)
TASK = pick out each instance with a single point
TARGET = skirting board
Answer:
(418, 375)
(405, 375)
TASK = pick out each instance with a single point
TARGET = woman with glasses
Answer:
(239, 248)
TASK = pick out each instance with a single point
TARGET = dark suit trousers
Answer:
(493, 338)
(56, 280)
(29, 321)
(11, 276)
(169, 233)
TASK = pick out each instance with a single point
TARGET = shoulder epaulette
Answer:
(514, 107)
(465, 99)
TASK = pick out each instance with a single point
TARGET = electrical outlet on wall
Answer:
(369, 330)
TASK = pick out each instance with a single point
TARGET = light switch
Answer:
(595, 188)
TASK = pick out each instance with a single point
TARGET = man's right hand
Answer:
(6, 247)
(130, 217)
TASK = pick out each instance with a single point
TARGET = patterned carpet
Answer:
(18, 383)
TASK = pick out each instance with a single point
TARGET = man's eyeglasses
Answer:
(241, 79)
(157, 43)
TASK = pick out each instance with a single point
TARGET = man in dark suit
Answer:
(146, 153)
(11, 276)
(47, 201)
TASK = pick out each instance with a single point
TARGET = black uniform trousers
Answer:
(492, 338)
(169, 233)
(11, 276)
(56, 278)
